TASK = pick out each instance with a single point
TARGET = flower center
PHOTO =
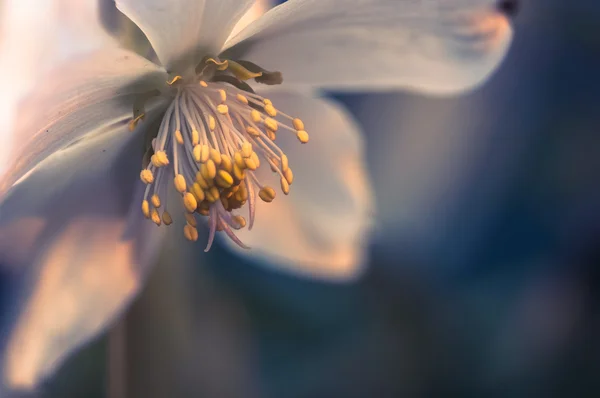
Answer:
(213, 138)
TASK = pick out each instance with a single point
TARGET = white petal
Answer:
(69, 234)
(183, 31)
(432, 46)
(75, 100)
(258, 9)
(322, 227)
(37, 35)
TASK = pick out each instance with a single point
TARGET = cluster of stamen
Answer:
(212, 139)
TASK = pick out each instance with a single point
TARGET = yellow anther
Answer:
(201, 181)
(285, 187)
(203, 83)
(252, 131)
(250, 163)
(155, 201)
(224, 179)
(241, 72)
(198, 192)
(167, 219)
(271, 134)
(271, 124)
(208, 170)
(270, 110)
(284, 163)
(255, 159)
(195, 137)
(238, 172)
(240, 221)
(212, 195)
(212, 123)
(209, 197)
(246, 149)
(190, 233)
(220, 65)
(239, 160)
(159, 159)
(256, 117)
(179, 137)
(204, 153)
(189, 202)
(242, 99)
(222, 109)
(302, 136)
(226, 163)
(180, 184)
(267, 194)
(197, 152)
(244, 190)
(146, 176)
(155, 217)
(298, 124)
(134, 122)
(146, 208)
(242, 194)
(191, 220)
(267, 101)
(223, 95)
(215, 155)
(174, 80)
(289, 176)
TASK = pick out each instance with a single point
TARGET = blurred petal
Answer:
(258, 9)
(321, 228)
(431, 46)
(35, 36)
(76, 100)
(183, 31)
(77, 250)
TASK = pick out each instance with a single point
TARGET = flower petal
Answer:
(183, 31)
(321, 228)
(75, 251)
(37, 35)
(255, 12)
(83, 96)
(432, 46)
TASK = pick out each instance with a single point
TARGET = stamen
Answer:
(174, 80)
(213, 138)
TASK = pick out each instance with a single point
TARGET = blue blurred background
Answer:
(483, 278)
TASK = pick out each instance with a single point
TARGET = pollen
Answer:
(166, 218)
(190, 233)
(212, 142)
(180, 184)
(146, 176)
(159, 159)
(155, 201)
(298, 124)
(302, 136)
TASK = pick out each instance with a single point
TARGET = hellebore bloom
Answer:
(120, 144)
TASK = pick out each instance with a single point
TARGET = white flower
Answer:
(72, 227)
